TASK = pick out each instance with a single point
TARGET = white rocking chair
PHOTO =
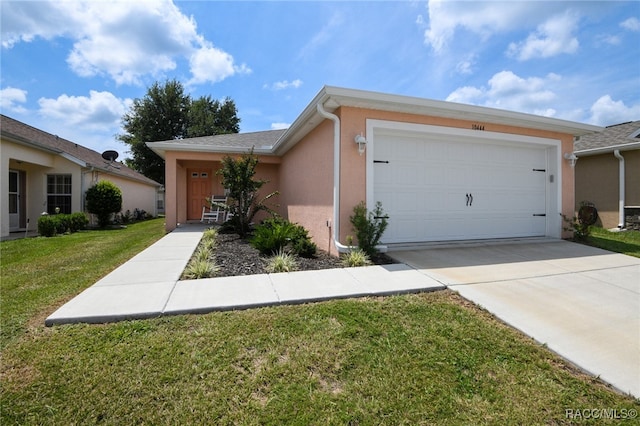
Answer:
(213, 212)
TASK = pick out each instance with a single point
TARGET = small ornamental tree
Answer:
(244, 203)
(104, 199)
(369, 229)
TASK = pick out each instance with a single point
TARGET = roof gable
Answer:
(22, 133)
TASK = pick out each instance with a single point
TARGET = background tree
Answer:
(166, 112)
(211, 117)
(104, 199)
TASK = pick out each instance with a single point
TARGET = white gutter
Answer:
(608, 149)
(336, 177)
(616, 153)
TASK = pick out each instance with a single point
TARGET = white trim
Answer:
(161, 147)
(607, 149)
(553, 151)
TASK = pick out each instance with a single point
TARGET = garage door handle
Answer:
(467, 199)
(471, 198)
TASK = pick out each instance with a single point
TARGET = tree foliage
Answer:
(238, 179)
(103, 199)
(165, 113)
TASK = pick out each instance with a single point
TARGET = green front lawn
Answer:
(627, 242)
(40, 274)
(416, 359)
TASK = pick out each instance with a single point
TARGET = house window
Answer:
(59, 193)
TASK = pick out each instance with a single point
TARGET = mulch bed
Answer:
(236, 256)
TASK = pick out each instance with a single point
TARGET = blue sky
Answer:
(73, 68)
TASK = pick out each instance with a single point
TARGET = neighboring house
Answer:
(40, 171)
(443, 171)
(608, 173)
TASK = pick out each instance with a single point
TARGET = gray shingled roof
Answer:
(23, 133)
(261, 139)
(616, 135)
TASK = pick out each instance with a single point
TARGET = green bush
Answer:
(282, 262)
(368, 228)
(274, 235)
(103, 199)
(47, 226)
(50, 225)
(354, 258)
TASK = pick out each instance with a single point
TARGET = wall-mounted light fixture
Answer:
(362, 143)
(571, 158)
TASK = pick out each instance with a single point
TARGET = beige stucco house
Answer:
(40, 171)
(608, 173)
(443, 171)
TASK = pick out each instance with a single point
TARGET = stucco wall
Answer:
(306, 184)
(597, 181)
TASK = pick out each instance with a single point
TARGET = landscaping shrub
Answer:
(282, 261)
(199, 268)
(47, 226)
(354, 258)
(579, 225)
(104, 199)
(368, 228)
(50, 225)
(274, 235)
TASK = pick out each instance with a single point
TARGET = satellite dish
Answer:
(110, 155)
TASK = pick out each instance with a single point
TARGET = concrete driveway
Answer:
(582, 302)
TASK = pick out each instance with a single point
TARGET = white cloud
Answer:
(284, 84)
(605, 112)
(466, 66)
(210, 64)
(324, 35)
(481, 18)
(23, 21)
(124, 40)
(278, 126)
(506, 90)
(10, 98)
(613, 40)
(99, 111)
(631, 24)
(552, 38)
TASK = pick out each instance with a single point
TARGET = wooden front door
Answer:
(199, 187)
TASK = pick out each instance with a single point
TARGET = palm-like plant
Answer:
(244, 200)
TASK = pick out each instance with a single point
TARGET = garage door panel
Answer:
(424, 189)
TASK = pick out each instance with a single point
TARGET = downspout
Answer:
(616, 153)
(336, 177)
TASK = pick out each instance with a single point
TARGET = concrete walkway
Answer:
(148, 286)
(582, 302)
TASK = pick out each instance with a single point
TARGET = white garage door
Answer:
(436, 188)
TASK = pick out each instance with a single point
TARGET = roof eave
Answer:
(26, 142)
(161, 148)
(608, 149)
(334, 97)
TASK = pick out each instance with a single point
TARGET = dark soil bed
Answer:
(236, 256)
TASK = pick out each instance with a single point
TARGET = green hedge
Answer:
(50, 225)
